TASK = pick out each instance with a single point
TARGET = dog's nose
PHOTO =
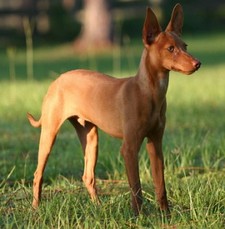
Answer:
(197, 65)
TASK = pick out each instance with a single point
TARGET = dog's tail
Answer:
(32, 120)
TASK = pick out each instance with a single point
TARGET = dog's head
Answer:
(166, 48)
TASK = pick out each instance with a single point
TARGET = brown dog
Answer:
(131, 108)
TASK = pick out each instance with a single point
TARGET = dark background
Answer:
(61, 20)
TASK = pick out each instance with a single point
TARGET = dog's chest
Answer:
(152, 114)
(163, 84)
(157, 108)
(162, 89)
(156, 119)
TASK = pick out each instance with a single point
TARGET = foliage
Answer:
(200, 15)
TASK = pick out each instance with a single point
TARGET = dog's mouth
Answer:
(195, 66)
(183, 72)
(189, 72)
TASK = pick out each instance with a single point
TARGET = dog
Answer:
(131, 109)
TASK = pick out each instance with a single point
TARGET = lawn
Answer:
(194, 146)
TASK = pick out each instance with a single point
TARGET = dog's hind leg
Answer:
(88, 135)
(49, 131)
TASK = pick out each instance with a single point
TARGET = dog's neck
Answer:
(151, 78)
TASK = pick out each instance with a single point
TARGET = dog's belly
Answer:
(105, 120)
(92, 97)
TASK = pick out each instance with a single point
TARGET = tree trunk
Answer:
(97, 26)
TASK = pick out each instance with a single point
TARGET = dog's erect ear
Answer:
(151, 27)
(176, 21)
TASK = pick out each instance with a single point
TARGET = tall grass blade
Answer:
(29, 47)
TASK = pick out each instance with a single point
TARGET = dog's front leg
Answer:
(129, 152)
(154, 148)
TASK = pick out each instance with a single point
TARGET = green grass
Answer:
(194, 147)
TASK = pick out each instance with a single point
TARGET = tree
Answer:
(96, 32)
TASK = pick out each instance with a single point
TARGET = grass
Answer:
(194, 147)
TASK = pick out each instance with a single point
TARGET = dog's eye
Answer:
(170, 48)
